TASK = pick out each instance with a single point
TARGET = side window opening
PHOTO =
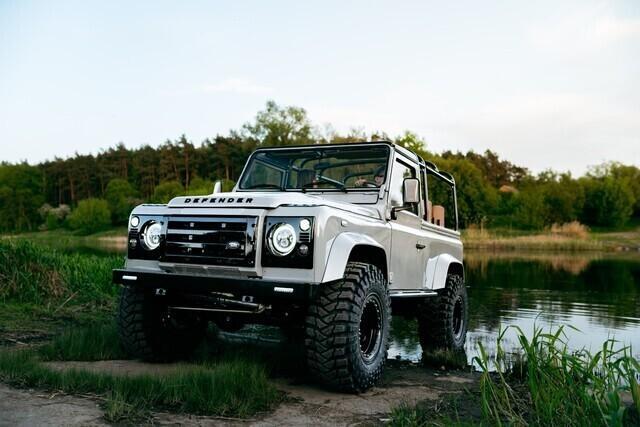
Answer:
(400, 172)
(441, 202)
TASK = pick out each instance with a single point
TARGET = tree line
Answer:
(87, 192)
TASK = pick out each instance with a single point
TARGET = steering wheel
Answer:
(364, 183)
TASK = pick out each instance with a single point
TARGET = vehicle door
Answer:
(407, 269)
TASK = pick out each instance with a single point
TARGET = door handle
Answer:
(420, 246)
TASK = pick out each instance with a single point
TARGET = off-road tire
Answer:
(148, 332)
(339, 354)
(442, 322)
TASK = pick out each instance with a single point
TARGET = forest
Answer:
(89, 192)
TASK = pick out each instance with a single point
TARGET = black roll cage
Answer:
(424, 165)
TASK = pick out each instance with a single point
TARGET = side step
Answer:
(412, 294)
(409, 303)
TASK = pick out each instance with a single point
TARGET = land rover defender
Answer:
(322, 240)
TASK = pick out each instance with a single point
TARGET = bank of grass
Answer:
(547, 385)
(112, 241)
(566, 237)
(35, 274)
(227, 382)
(233, 387)
(551, 385)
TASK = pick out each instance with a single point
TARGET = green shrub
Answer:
(121, 197)
(609, 202)
(90, 216)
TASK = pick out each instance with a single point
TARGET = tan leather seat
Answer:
(438, 215)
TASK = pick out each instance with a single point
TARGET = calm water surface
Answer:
(597, 294)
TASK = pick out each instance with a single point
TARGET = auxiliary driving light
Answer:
(305, 224)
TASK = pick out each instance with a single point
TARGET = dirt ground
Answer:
(307, 404)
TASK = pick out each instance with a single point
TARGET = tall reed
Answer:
(551, 385)
(30, 273)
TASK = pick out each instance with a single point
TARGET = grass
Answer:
(233, 387)
(541, 384)
(572, 237)
(454, 409)
(30, 273)
(96, 341)
(112, 241)
(41, 287)
(220, 380)
(554, 386)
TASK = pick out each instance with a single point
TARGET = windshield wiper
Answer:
(336, 184)
(255, 186)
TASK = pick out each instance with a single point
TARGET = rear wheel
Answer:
(347, 330)
(442, 324)
(149, 331)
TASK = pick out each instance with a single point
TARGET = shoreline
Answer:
(594, 242)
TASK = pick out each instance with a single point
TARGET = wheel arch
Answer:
(353, 247)
(439, 267)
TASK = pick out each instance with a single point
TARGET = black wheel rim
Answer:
(370, 330)
(458, 317)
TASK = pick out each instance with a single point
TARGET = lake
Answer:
(597, 294)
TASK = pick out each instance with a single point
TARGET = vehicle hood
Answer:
(267, 200)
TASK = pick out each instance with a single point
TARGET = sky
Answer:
(545, 84)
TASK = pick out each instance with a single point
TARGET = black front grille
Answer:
(212, 240)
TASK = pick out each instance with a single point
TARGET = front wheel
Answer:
(148, 331)
(443, 322)
(347, 330)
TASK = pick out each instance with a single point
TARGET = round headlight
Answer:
(305, 224)
(282, 239)
(151, 236)
(135, 221)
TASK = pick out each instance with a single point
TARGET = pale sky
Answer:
(545, 84)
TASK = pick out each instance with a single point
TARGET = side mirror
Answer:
(410, 194)
(217, 187)
(411, 190)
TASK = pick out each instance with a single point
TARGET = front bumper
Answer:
(261, 290)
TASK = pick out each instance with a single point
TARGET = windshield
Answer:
(317, 168)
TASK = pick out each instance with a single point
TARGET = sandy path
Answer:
(32, 409)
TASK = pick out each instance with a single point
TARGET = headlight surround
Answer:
(282, 239)
(151, 235)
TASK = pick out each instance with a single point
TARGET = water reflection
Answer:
(598, 294)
